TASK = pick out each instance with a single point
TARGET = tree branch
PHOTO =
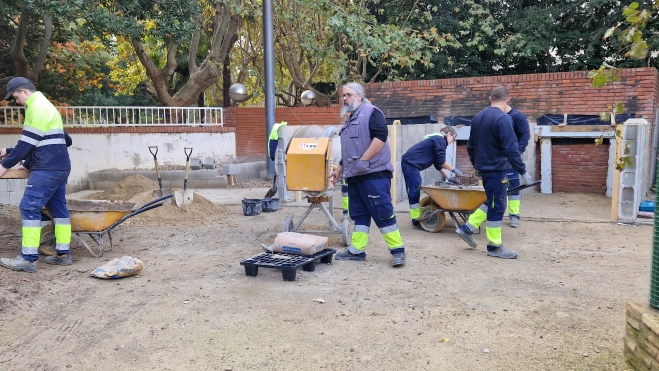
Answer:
(33, 74)
(194, 46)
(18, 45)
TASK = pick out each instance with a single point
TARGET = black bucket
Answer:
(270, 204)
(251, 206)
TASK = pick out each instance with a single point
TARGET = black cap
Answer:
(18, 82)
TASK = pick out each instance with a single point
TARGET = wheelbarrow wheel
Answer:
(345, 232)
(432, 220)
(47, 245)
(426, 201)
(288, 225)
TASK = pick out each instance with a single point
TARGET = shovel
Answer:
(273, 190)
(159, 192)
(185, 197)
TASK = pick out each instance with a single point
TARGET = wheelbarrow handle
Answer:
(153, 153)
(520, 187)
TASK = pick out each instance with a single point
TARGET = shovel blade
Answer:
(183, 197)
(157, 194)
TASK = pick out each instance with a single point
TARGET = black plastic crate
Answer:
(288, 263)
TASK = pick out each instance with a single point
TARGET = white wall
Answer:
(122, 151)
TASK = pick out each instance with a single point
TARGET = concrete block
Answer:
(175, 184)
(209, 163)
(96, 176)
(172, 175)
(4, 197)
(15, 197)
(242, 177)
(196, 163)
(102, 186)
(220, 182)
(14, 185)
(231, 169)
(115, 176)
(207, 175)
(197, 184)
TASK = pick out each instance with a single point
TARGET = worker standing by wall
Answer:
(366, 165)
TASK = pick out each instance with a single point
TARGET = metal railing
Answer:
(79, 116)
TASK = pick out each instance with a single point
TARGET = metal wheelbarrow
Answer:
(456, 200)
(97, 218)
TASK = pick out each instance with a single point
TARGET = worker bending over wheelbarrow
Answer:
(492, 146)
(43, 147)
(430, 151)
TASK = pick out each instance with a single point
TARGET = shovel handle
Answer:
(154, 153)
(187, 166)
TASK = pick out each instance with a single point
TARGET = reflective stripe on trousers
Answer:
(370, 199)
(492, 210)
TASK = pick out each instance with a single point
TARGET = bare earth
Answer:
(559, 306)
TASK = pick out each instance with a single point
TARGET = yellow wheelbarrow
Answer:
(456, 200)
(96, 218)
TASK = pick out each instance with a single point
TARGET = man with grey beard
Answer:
(366, 166)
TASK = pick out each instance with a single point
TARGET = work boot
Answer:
(59, 259)
(467, 235)
(397, 259)
(416, 225)
(500, 252)
(19, 264)
(514, 221)
(347, 255)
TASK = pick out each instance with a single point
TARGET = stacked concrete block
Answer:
(171, 179)
(209, 163)
(196, 163)
(11, 191)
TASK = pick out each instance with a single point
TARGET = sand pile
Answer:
(200, 211)
(126, 189)
(139, 189)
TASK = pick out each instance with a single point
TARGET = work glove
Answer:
(457, 172)
(453, 180)
(526, 179)
(477, 174)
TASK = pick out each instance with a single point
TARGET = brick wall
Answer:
(462, 158)
(534, 94)
(249, 124)
(579, 166)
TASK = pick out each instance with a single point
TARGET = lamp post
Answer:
(269, 73)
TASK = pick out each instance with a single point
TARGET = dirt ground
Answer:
(559, 306)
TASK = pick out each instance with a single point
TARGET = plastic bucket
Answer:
(251, 206)
(270, 204)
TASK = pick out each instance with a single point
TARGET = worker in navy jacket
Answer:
(493, 148)
(522, 133)
(430, 151)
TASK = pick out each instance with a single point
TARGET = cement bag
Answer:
(299, 243)
(118, 268)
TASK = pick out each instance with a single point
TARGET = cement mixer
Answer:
(309, 158)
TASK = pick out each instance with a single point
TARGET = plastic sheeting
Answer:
(581, 119)
(550, 119)
(415, 120)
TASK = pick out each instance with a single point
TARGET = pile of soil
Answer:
(201, 210)
(139, 189)
(126, 189)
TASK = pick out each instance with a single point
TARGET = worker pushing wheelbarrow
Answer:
(458, 200)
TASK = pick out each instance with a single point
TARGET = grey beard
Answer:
(347, 108)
